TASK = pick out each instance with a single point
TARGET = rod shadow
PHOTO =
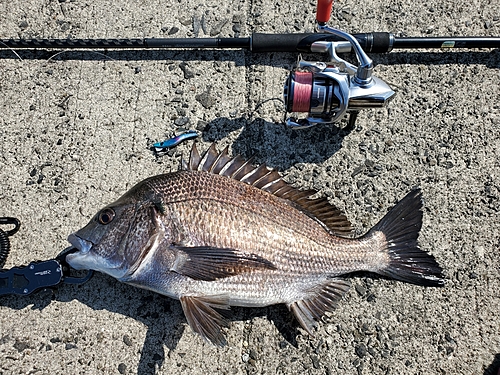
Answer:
(487, 57)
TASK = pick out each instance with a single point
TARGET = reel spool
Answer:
(321, 95)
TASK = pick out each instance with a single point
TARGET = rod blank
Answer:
(378, 42)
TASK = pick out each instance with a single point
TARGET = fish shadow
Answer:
(278, 146)
(162, 316)
(494, 368)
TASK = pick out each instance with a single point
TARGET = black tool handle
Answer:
(27, 279)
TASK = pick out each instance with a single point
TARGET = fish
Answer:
(221, 232)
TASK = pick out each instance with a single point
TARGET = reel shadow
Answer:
(278, 146)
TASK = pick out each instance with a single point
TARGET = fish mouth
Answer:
(81, 259)
(79, 243)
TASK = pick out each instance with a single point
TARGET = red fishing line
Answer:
(302, 90)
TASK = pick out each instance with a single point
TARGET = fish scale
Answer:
(224, 233)
(253, 205)
(267, 236)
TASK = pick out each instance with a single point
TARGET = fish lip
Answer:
(79, 243)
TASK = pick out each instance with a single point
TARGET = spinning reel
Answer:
(327, 91)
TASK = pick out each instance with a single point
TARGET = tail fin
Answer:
(408, 262)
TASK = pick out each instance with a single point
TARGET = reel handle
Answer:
(323, 11)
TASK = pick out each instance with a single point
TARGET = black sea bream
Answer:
(223, 233)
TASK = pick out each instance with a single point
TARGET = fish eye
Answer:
(106, 216)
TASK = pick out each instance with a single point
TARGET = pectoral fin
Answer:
(203, 317)
(211, 263)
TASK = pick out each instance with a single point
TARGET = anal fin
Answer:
(203, 317)
(323, 298)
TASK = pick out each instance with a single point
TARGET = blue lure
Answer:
(174, 141)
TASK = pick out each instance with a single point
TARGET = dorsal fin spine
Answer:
(221, 161)
(216, 158)
(267, 187)
(256, 174)
(194, 159)
(210, 156)
(248, 177)
(262, 179)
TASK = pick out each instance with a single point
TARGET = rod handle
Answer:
(324, 10)
(280, 42)
(370, 42)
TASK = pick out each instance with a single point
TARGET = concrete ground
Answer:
(76, 131)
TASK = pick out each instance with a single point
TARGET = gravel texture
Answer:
(76, 130)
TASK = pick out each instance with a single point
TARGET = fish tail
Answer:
(406, 261)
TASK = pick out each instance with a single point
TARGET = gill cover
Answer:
(117, 238)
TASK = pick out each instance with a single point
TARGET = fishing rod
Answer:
(325, 91)
(374, 42)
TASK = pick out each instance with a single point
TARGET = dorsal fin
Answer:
(269, 180)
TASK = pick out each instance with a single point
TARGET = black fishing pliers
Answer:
(36, 275)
